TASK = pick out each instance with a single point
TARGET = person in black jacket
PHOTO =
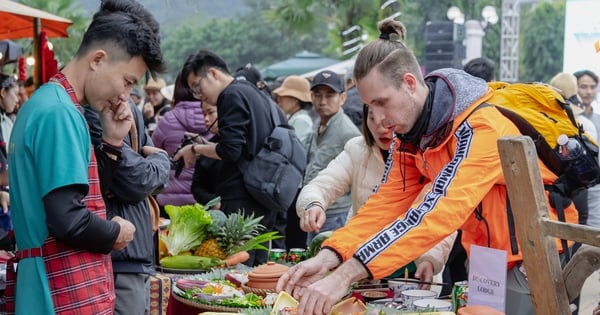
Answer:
(124, 190)
(206, 184)
(244, 123)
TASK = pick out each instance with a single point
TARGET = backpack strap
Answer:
(514, 246)
(559, 201)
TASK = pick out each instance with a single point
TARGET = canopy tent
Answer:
(340, 68)
(18, 20)
(297, 64)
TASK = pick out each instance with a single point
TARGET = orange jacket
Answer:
(391, 230)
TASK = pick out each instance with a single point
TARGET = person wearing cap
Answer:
(157, 104)
(333, 129)
(293, 97)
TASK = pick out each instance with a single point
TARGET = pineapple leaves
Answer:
(256, 242)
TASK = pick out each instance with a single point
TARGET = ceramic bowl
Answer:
(432, 305)
(397, 286)
(409, 296)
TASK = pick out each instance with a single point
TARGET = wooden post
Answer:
(37, 53)
(528, 201)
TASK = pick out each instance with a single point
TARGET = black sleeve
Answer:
(70, 221)
(203, 188)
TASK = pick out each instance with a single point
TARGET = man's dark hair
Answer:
(482, 68)
(125, 26)
(199, 63)
(589, 73)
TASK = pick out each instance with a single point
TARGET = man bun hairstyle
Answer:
(388, 54)
(126, 29)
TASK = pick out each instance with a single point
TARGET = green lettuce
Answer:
(187, 228)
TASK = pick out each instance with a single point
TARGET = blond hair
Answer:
(388, 54)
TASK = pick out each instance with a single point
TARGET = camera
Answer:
(179, 164)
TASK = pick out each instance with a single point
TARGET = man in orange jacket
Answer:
(441, 140)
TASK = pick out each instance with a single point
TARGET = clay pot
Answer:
(478, 310)
(266, 275)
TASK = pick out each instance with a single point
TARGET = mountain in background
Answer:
(170, 12)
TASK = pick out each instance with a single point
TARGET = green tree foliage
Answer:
(542, 41)
(329, 16)
(64, 48)
(248, 39)
(302, 16)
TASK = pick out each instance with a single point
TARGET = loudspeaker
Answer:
(439, 30)
(443, 49)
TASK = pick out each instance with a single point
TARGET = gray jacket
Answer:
(125, 188)
(325, 147)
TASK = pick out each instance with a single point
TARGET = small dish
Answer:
(370, 296)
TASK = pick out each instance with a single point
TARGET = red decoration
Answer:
(49, 64)
(22, 69)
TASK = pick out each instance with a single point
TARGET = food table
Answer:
(174, 307)
(178, 305)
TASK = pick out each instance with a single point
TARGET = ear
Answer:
(97, 58)
(410, 81)
(343, 97)
(3, 93)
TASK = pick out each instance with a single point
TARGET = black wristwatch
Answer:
(113, 153)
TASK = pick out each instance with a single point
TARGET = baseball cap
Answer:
(330, 79)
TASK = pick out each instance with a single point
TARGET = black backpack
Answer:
(275, 174)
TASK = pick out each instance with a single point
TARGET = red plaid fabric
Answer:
(81, 282)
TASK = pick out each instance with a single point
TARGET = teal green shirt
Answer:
(49, 148)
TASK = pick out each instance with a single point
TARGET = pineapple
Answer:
(210, 248)
(232, 233)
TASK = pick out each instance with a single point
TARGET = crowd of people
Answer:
(390, 151)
